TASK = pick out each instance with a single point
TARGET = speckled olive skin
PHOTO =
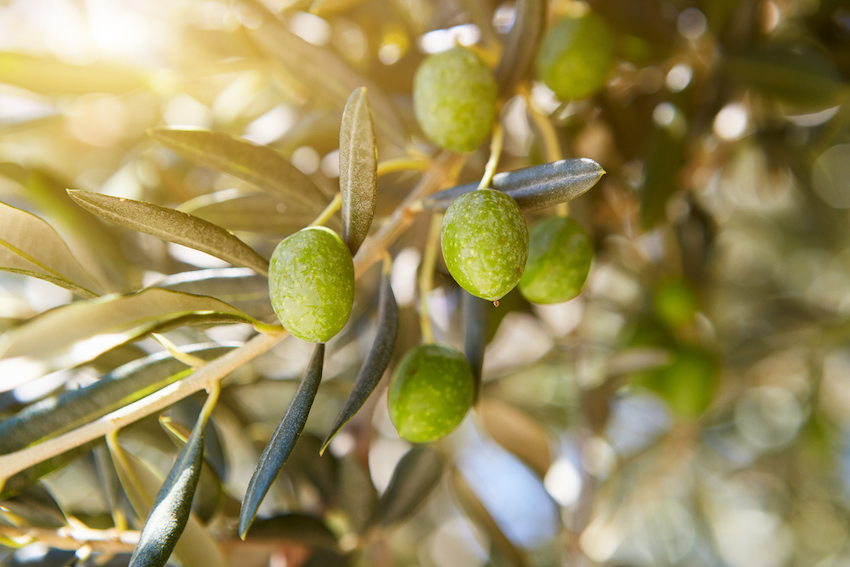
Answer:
(576, 56)
(454, 98)
(485, 243)
(430, 393)
(559, 257)
(311, 283)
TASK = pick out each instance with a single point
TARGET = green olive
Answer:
(576, 56)
(454, 98)
(485, 243)
(559, 257)
(311, 283)
(430, 393)
(675, 302)
(687, 384)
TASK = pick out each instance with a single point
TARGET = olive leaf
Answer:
(476, 511)
(295, 527)
(173, 226)
(249, 211)
(325, 74)
(283, 440)
(35, 506)
(416, 475)
(124, 385)
(794, 74)
(518, 433)
(535, 187)
(520, 45)
(358, 170)
(29, 246)
(259, 165)
(357, 494)
(662, 166)
(76, 333)
(242, 288)
(196, 548)
(50, 76)
(18, 482)
(475, 335)
(376, 361)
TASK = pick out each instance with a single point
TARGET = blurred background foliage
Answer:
(690, 407)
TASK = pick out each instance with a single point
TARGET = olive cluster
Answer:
(485, 241)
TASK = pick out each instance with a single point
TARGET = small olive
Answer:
(454, 99)
(311, 283)
(576, 56)
(485, 243)
(559, 257)
(430, 393)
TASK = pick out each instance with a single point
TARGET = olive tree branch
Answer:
(204, 377)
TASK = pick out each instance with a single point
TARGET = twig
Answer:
(104, 541)
(373, 249)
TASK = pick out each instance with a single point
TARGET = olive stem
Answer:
(496, 142)
(402, 164)
(444, 168)
(177, 354)
(329, 211)
(426, 277)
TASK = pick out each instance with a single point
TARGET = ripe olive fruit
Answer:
(430, 393)
(485, 243)
(559, 257)
(576, 56)
(454, 98)
(311, 283)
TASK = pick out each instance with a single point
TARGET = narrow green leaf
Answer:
(793, 74)
(476, 510)
(16, 483)
(242, 288)
(47, 75)
(76, 333)
(358, 169)
(535, 187)
(196, 548)
(327, 76)
(173, 504)
(356, 492)
(298, 528)
(475, 335)
(416, 475)
(239, 210)
(124, 385)
(259, 165)
(35, 506)
(520, 45)
(283, 440)
(173, 226)
(376, 361)
(29, 246)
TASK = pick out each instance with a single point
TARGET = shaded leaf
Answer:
(326, 75)
(38, 556)
(240, 158)
(298, 528)
(416, 475)
(358, 170)
(76, 333)
(357, 494)
(196, 548)
(376, 361)
(29, 246)
(36, 507)
(126, 384)
(173, 226)
(476, 510)
(520, 45)
(475, 328)
(534, 187)
(661, 180)
(249, 211)
(794, 74)
(283, 440)
(517, 433)
(242, 288)
(27, 477)
(48, 75)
